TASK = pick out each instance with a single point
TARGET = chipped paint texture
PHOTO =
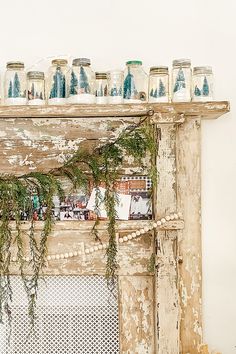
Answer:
(42, 138)
(189, 202)
(167, 294)
(45, 143)
(136, 314)
(167, 297)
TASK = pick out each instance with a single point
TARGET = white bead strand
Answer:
(128, 237)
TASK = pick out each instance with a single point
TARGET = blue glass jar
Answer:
(181, 80)
(36, 88)
(115, 86)
(158, 88)
(202, 84)
(101, 88)
(57, 82)
(81, 82)
(135, 83)
(15, 84)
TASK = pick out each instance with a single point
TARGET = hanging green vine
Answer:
(100, 166)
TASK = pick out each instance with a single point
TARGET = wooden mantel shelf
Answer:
(122, 225)
(163, 112)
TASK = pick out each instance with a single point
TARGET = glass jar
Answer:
(36, 87)
(57, 84)
(115, 86)
(135, 82)
(202, 84)
(15, 84)
(101, 88)
(81, 82)
(158, 84)
(181, 80)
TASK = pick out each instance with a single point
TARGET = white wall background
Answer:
(110, 32)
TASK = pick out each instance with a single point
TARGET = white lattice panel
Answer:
(75, 315)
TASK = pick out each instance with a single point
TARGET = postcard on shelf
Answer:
(122, 207)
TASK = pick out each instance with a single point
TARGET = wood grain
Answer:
(167, 299)
(136, 315)
(189, 203)
(163, 112)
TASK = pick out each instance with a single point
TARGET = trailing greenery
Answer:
(101, 166)
(151, 264)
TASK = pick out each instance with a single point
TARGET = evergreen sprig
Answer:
(83, 169)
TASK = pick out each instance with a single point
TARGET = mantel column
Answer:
(188, 153)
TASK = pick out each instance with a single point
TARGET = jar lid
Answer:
(202, 70)
(35, 75)
(101, 75)
(15, 65)
(59, 62)
(81, 61)
(182, 62)
(134, 62)
(159, 70)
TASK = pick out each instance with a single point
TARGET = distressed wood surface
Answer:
(121, 225)
(167, 293)
(133, 256)
(136, 315)
(189, 203)
(167, 302)
(30, 144)
(163, 112)
(69, 236)
(39, 138)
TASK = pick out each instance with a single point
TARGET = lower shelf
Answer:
(88, 225)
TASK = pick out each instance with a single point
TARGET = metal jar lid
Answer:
(185, 63)
(15, 65)
(59, 62)
(159, 70)
(134, 62)
(101, 75)
(81, 61)
(207, 70)
(37, 75)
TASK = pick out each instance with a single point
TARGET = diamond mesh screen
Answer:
(74, 315)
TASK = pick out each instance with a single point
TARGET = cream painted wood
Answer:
(167, 302)
(39, 138)
(190, 246)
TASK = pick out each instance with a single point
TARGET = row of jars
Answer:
(80, 84)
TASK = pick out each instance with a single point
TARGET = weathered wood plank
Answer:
(133, 256)
(20, 157)
(189, 203)
(57, 129)
(167, 293)
(122, 225)
(30, 144)
(136, 315)
(167, 304)
(164, 112)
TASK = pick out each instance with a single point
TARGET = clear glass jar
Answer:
(135, 83)
(101, 88)
(202, 84)
(181, 80)
(81, 82)
(15, 84)
(36, 87)
(158, 84)
(57, 84)
(115, 86)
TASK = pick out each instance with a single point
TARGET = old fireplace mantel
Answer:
(159, 312)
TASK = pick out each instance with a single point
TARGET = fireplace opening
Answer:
(75, 314)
